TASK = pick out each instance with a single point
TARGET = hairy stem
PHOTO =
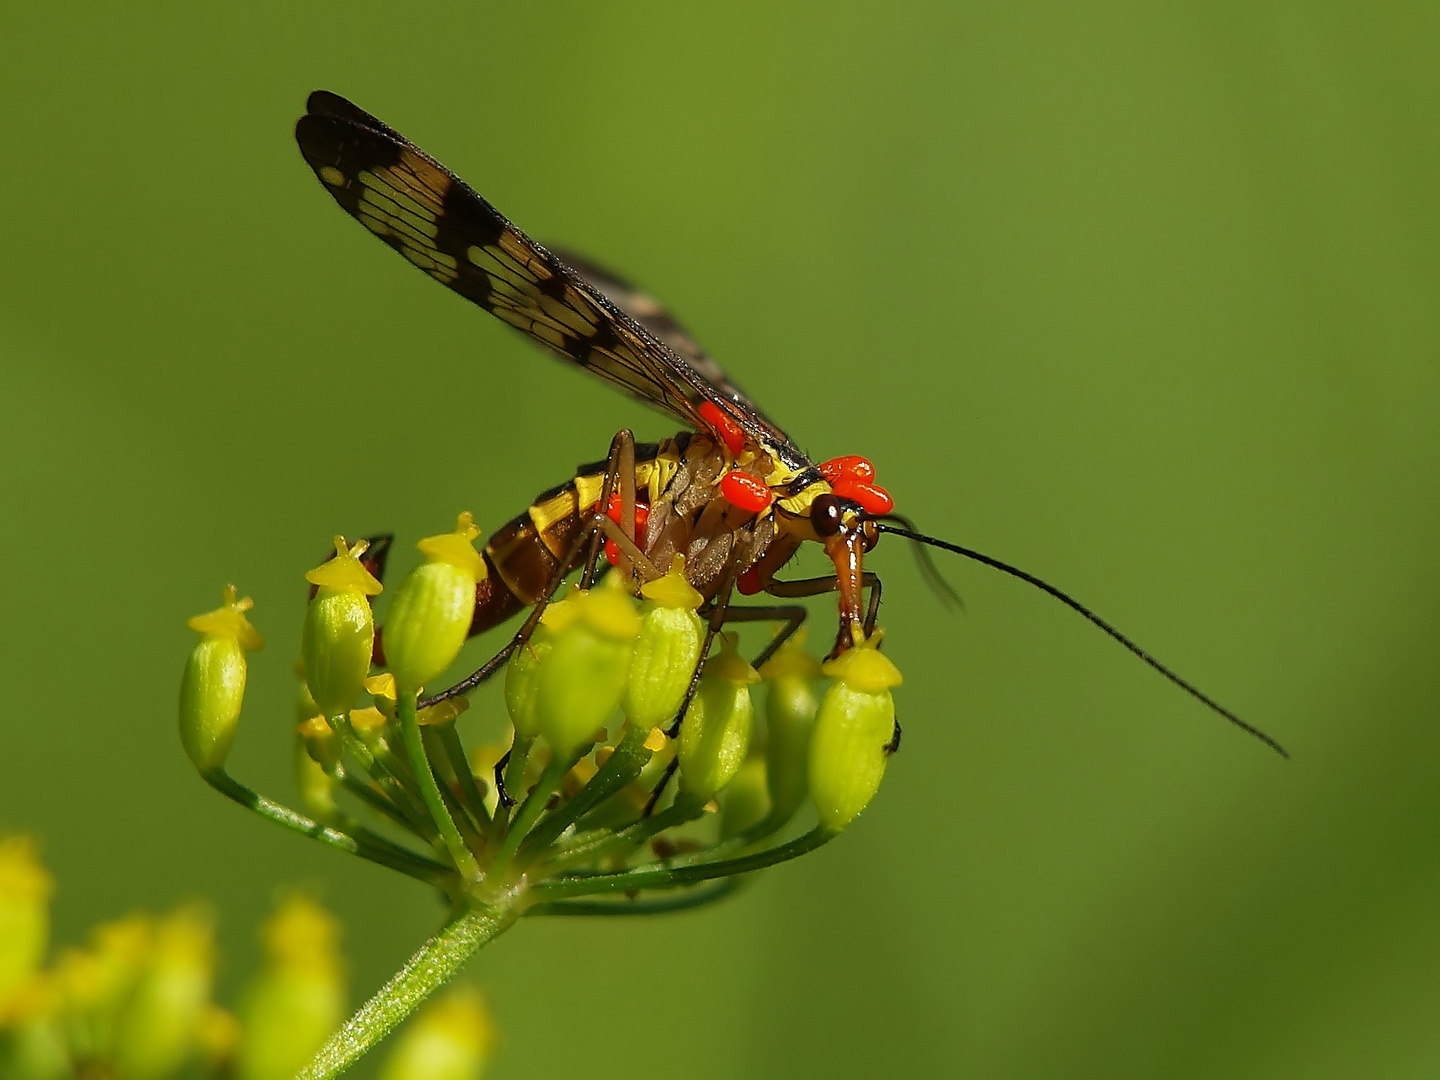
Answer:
(432, 966)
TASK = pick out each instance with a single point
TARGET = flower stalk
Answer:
(431, 967)
(462, 856)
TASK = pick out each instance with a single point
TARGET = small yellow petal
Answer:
(728, 664)
(673, 590)
(865, 667)
(229, 621)
(381, 686)
(345, 570)
(457, 548)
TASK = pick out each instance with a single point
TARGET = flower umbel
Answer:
(578, 816)
(136, 1002)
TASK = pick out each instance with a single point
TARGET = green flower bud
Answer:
(854, 725)
(790, 709)
(451, 1039)
(746, 801)
(316, 748)
(522, 681)
(339, 633)
(305, 706)
(297, 999)
(715, 735)
(429, 618)
(213, 686)
(581, 680)
(156, 1028)
(666, 651)
(25, 889)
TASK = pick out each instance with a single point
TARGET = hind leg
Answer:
(597, 527)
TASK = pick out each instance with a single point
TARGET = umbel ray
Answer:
(732, 493)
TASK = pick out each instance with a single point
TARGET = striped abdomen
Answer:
(523, 555)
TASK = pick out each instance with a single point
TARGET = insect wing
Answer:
(657, 319)
(439, 223)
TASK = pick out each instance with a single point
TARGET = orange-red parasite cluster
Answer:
(851, 477)
(729, 431)
(612, 511)
(745, 491)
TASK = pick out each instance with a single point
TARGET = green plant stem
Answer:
(727, 846)
(529, 810)
(433, 965)
(656, 905)
(463, 857)
(401, 798)
(620, 769)
(371, 796)
(628, 838)
(396, 858)
(473, 797)
(458, 814)
(366, 835)
(678, 877)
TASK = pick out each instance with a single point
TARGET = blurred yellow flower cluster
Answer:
(135, 1002)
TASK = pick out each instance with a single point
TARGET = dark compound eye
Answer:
(825, 513)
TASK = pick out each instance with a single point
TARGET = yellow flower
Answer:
(25, 888)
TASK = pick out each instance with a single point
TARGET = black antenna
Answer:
(942, 589)
(1075, 605)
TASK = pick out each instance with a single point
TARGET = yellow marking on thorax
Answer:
(662, 469)
(781, 474)
(800, 504)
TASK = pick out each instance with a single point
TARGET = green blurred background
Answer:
(1141, 297)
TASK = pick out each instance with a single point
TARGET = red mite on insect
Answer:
(732, 493)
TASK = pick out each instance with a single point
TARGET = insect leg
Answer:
(660, 787)
(506, 799)
(826, 584)
(716, 620)
(597, 525)
(816, 586)
(619, 473)
(792, 615)
(718, 609)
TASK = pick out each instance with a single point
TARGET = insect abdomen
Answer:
(523, 554)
